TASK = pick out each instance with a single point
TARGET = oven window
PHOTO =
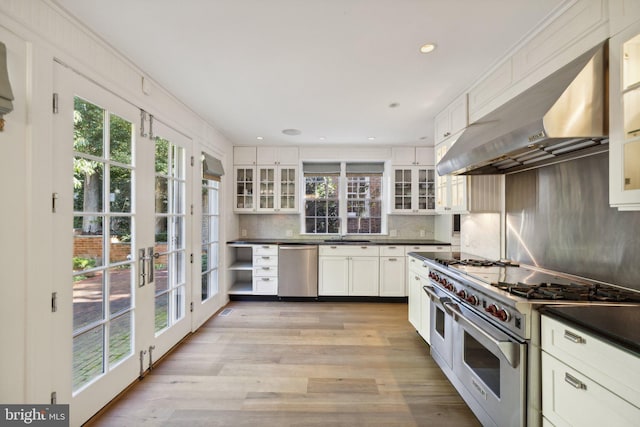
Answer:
(483, 363)
(440, 322)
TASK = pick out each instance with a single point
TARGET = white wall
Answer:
(36, 32)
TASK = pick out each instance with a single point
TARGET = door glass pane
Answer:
(87, 185)
(170, 228)
(103, 279)
(484, 363)
(120, 338)
(88, 128)
(88, 356)
(88, 299)
(120, 289)
(120, 140)
(120, 192)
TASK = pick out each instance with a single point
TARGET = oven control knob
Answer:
(499, 313)
(462, 294)
(473, 300)
(450, 286)
(503, 315)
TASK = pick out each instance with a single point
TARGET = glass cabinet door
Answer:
(426, 189)
(402, 190)
(244, 189)
(287, 177)
(266, 184)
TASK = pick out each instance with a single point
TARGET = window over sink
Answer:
(343, 198)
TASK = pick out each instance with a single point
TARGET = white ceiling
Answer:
(329, 68)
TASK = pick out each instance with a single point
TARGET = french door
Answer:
(120, 225)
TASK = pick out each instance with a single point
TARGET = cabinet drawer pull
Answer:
(266, 257)
(576, 383)
(265, 279)
(392, 247)
(266, 247)
(393, 259)
(363, 247)
(333, 247)
(266, 268)
(573, 337)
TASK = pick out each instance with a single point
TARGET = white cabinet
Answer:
(419, 306)
(254, 269)
(413, 190)
(244, 156)
(348, 270)
(624, 133)
(462, 193)
(392, 271)
(585, 380)
(412, 156)
(451, 190)
(451, 120)
(277, 189)
(277, 155)
(623, 13)
(265, 270)
(244, 194)
(269, 187)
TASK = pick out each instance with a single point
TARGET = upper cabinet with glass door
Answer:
(624, 155)
(413, 180)
(269, 187)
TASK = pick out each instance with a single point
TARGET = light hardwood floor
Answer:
(296, 364)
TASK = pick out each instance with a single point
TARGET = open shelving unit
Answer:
(241, 269)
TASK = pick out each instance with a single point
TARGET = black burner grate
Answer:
(569, 292)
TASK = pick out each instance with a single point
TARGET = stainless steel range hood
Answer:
(562, 116)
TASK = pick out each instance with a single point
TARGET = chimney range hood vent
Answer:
(563, 116)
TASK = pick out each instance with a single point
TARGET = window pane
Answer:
(120, 143)
(88, 351)
(162, 156)
(87, 185)
(120, 338)
(120, 192)
(162, 312)
(88, 128)
(120, 289)
(88, 298)
(120, 239)
(162, 195)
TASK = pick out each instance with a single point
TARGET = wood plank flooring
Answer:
(296, 364)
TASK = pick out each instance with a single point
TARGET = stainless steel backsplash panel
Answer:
(558, 217)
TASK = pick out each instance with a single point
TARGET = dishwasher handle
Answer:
(298, 247)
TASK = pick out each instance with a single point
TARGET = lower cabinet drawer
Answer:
(265, 270)
(570, 398)
(265, 285)
(265, 260)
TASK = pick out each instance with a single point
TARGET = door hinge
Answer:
(191, 256)
(191, 209)
(54, 197)
(55, 103)
(54, 302)
(54, 397)
(192, 161)
(191, 306)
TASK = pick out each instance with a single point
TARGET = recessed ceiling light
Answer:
(428, 47)
(322, 138)
(291, 132)
(422, 138)
(394, 105)
(259, 138)
(371, 138)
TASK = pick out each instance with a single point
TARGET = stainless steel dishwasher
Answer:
(298, 271)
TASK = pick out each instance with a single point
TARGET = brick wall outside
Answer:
(91, 247)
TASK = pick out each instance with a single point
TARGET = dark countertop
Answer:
(619, 325)
(346, 241)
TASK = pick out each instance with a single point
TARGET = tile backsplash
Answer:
(287, 226)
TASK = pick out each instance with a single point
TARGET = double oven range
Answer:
(485, 329)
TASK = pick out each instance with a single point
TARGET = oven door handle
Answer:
(509, 349)
(441, 302)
